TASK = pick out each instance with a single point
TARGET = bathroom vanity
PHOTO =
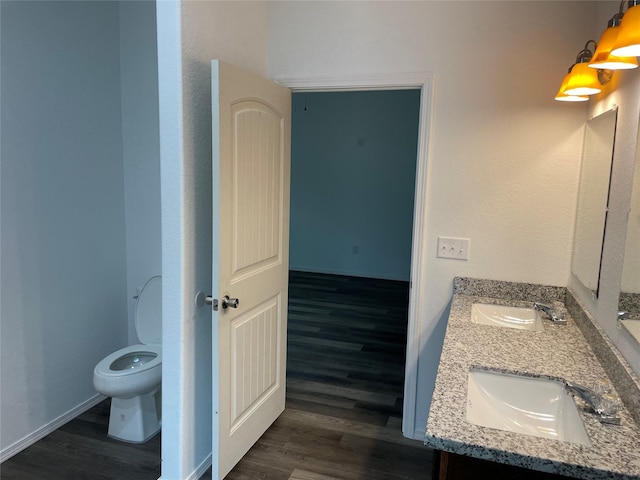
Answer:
(575, 351)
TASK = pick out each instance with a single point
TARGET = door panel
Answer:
(255, 340)
(257, 176)
(251, 168)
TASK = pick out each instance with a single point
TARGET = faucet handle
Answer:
(602, 387)
(604, 406)
(608, 404)
(607, 409)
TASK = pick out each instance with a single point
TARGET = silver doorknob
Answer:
(229, 302)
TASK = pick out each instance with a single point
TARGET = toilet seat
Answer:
(148, 322)
(126, 383)
(104, 367)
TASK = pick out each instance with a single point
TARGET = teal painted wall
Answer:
(353, 164)
(63, 275)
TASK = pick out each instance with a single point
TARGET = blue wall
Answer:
(63, 275)
(140, 145)
(353, 163)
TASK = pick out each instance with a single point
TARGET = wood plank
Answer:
(304, 475)
(344, 392)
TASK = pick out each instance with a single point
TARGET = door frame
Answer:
(394, 81)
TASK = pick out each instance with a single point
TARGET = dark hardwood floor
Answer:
(345, 372)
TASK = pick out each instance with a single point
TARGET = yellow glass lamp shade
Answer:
(603, 58)
(562, 97)
(582, 81)
(627, 44)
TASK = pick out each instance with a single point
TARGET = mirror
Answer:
(630, 285)
(595, 176)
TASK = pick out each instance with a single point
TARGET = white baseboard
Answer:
(45, 430)
(206, 463)
(198, 472)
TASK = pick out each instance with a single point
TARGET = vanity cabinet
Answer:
(451, 466)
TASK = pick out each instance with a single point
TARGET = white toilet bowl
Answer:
(132, 375)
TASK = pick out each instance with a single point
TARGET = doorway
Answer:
(353, 171)
(392, 81)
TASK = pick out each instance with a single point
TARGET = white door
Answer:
(251, 169)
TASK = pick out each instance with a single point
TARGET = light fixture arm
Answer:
(630, 3)
(620, 14)
(585, 54)
(617, 18)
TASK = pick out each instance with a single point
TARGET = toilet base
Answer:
(135, 420)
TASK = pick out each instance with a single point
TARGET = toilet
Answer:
(132, 376)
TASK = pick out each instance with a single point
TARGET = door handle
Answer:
(229, 302)
(203, 299)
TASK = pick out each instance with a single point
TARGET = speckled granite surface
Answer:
(561, 351)
(508, 290)
(630, 302)
(620, 372)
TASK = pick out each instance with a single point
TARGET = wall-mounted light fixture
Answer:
(627, 42)
(603, 58)
(562, 97)
(582, 79)
(617, 49)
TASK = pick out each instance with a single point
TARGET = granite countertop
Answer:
(561, 351)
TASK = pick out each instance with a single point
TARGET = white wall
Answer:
(63, 231)
(140, 145)
(190, 35)
(504, 156)
(353, 171)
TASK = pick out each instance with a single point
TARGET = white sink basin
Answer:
(527, 405)
(506, 316)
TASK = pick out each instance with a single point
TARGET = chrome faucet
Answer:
(622, 315)
(552, 314)
(604, 409)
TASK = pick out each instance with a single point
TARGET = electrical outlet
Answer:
(451, 247)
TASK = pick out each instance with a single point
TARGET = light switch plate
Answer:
(452, 247)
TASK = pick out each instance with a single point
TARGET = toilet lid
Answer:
(148, 317)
